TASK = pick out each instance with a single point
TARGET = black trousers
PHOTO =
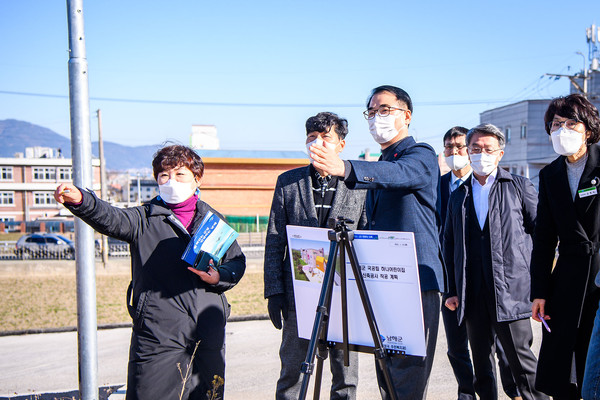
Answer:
(516, 338)
(410, 375)
(460, 358)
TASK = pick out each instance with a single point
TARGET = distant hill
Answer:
(16, 135)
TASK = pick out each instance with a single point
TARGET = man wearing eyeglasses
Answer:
(487, 250)
(402, 196)
(457, 158)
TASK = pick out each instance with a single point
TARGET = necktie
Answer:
(456, 184)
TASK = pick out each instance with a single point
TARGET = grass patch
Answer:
(247, 297)
(50, 301)
(11, 235)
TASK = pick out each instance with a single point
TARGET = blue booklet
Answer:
(210, 242)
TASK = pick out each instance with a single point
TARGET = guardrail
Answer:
(253, 251)
(7, 250)
(251, 239)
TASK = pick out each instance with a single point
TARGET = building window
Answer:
(44, 174)
(507, 134)
(7, 198)
(64, 174)
(6, 173)
(523, 131)
(43, 198)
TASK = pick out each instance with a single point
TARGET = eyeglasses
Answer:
(478, 150)
(568, 123)
(382, 112)
(451, 147)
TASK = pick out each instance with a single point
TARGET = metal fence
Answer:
(9, 251)
(247, 224)
(252, 244)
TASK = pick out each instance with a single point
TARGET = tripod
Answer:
(341, 238)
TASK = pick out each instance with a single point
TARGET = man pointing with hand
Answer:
(403, 187)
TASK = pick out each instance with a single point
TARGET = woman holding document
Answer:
(564, 295)
(178, 312)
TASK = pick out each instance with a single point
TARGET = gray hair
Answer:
(487, 129)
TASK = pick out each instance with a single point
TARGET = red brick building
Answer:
(242, 182)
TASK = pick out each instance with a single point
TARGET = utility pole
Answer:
(593, 39)
(103, 183)
(139, 189)
(574, 80)
(128, 190)
(81, 149)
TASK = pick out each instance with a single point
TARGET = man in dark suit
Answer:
(402, 197)
(455, 152)
(487, 249)
(308, 196)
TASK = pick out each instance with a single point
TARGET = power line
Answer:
(223, 104)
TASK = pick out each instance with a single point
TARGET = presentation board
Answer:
(388, 263)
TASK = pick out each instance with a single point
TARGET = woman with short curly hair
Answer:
(178, 312)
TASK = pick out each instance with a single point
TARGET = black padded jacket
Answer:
(172, 309)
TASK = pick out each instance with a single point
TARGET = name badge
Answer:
(591, 191)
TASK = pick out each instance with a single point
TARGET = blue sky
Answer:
(269, 65)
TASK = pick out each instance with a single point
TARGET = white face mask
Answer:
(566, 142)
(483, 164)
(383, 129)
(319, 142)
(174, 192)
(457, 162)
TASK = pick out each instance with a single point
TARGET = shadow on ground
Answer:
(104, 392)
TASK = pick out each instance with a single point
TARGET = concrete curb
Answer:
(236, 318)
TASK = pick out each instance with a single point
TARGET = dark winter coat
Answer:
(403, 196)
(576, 225)
(172, 309)
(511, 220)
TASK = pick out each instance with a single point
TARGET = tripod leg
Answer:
(379, 351)
(318, 377)
(320, 325)
(344, 291)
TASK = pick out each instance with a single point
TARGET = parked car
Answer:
(45, 245)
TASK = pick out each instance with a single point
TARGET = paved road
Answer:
(48, 363)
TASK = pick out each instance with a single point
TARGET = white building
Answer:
(204, 137)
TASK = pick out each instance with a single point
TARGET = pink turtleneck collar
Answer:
(185, 210)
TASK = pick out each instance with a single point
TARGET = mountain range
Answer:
(16, 135)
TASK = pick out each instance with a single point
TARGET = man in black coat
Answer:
(455, 152)
(487, 249)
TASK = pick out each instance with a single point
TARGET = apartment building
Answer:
(27, 185)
